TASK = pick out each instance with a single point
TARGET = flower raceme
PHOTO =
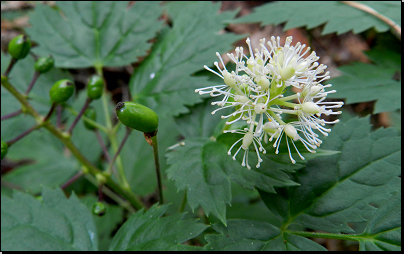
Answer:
(256, 87)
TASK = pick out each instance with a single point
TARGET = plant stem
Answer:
(25, 133)
(15, 113)
(33, 80)
(10, 66)
(111, 132)
(72, 180)
(104, 149)
(327, 235)
(50, 112)
(111, 163)
(157, 164)
(100, 195)
(85, 106)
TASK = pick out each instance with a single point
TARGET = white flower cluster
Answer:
(255, 89)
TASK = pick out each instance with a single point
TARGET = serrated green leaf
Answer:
(249, 235)
(94, 33)
(47, 164)
(337, 189)
(362, 82)
(55, 224)
(147, 231)
(203, 166)
(163, 81)
(339, 17)
(106, 224)
(383, 231)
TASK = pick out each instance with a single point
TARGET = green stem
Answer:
(327, 235)
(110, 131)
(97, 125)
(111, 163)
(157, 164)
(76, 120)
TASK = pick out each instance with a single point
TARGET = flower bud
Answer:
(247, 140)
(291, 132)
(228, 79)
(310, 107)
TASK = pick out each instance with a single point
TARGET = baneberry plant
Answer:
(268, 154)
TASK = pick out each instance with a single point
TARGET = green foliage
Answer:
(325, 199)
(147, 231)
(337, 16)
(164, 77)
(351, 185)
(84, 34)
(337, 189)
(383, 231)
(54, 224)
(248, 235)
(363, 82)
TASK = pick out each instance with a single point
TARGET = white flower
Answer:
(255, 90)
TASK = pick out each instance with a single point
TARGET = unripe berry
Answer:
(99, 209)
(44, 64)
(61, 91)
(90, 113)
(137, 116)
(95, 87)
(19, 46)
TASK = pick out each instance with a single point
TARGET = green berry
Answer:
(61, 91)
(99, 209)
(4, 149)
(95, 87)
(19, 46)
(90, 113)
(137, 116)
(44, 64)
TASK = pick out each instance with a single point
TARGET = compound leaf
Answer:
(362, 82)
(339, 17)
(147, 231)
(55, 224)
(163, 81)
(203, 166)
(337, 189)
(94, 33)
(249, 235)
(383, 231)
